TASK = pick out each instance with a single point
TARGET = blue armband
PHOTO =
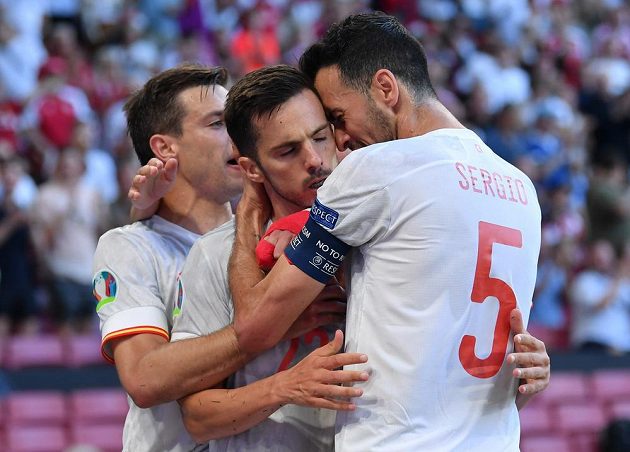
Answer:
(316, 251)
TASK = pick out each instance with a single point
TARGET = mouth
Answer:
(317, 183)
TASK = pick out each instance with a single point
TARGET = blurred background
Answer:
(546, 83)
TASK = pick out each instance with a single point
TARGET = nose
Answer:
(342, 139)
(313, 159)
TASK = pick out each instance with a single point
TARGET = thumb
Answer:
(170, 169)
(516, 322)
(334, 346)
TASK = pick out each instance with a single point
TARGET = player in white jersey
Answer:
(282, 133)
(178, 117)
(177, 114)
(446, 238)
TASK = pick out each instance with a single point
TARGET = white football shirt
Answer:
(135, 284)
(447, 236)
(205, 305)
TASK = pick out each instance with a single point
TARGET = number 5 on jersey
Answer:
(483, 287)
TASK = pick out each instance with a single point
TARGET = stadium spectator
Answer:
(67, 218)
(18, 309)
(600, 298)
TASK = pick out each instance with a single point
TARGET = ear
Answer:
(251, 169)
(162, 147)
(385, 87)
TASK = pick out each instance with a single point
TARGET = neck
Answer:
(281, 208)
(416, 120)
(192, 212)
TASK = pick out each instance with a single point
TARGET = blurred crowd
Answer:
(546, 83)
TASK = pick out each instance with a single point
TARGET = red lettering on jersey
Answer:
(487, 181)
(473, 179)
(498, 185)
(485, 286)
(520, 190)
(509, 182)
(460, 169)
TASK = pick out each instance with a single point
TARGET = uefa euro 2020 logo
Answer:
(104, 288)
(177, 310)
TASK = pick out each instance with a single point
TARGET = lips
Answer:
(317, 183)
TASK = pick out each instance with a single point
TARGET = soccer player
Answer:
(176, 117)
(286, 144)
(445, 239)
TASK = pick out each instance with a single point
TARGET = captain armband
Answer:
(316, 252)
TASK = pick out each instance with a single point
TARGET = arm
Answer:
(217, 413)
(149, 185)
(153, 371)
(532, 361)
(262, 314)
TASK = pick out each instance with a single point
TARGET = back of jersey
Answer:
(432, 292)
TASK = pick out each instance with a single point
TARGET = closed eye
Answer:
(286, 152)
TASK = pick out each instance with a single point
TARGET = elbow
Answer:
(143, 395)
(198, 428)
(198, 435)
(253, 337)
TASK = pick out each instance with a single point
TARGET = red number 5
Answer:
(484, 287)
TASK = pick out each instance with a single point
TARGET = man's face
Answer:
(357, 119)
(206, 160)
(296, 152)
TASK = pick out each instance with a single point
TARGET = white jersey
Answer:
(206, 306)
(135, 283)
(447, 236)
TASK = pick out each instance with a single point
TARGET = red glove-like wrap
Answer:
(265, 249)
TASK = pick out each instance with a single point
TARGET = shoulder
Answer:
(136, 238)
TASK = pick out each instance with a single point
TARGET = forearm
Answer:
(217, 413)
(170, 371)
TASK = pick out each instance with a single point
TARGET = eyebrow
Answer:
(295, 142)
(212, 114)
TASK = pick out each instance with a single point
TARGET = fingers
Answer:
(318, 307)
(527, 342)
(531, 373)
(533, 386)
(528, 359)
(344, 359)
(516, 321)
(337, 405)
(283, 242)
(332, 293)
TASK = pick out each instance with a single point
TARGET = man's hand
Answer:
(280, 240)
(329, 308)
(531, 359)
(254, 206)
(314, 382)
(152, 182)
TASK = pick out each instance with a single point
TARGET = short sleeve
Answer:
(352, 205)
(204, 304)
(126, 290)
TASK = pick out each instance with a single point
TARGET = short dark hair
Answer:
(364, 43)
(258, 93)
(155, 108)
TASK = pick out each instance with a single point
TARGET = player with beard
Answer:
(445, 239)
(286, 145)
